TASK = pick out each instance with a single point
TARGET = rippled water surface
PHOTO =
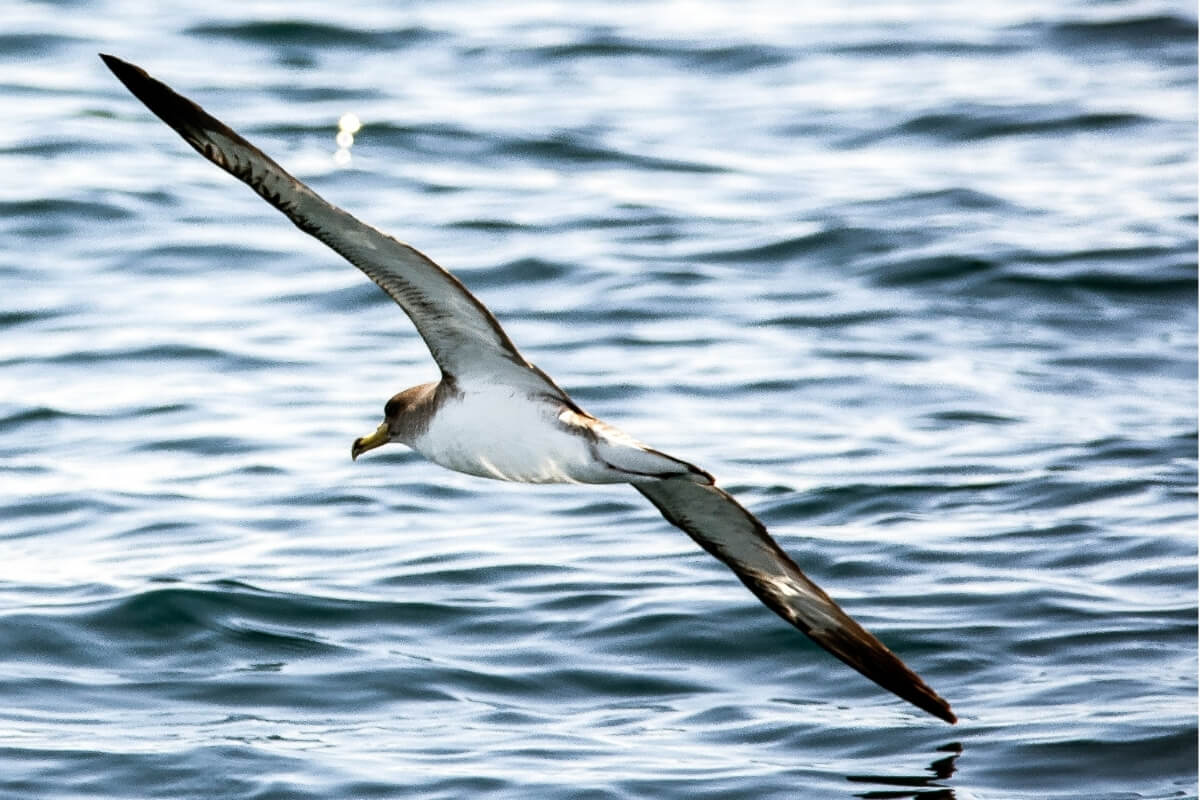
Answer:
(917, 283)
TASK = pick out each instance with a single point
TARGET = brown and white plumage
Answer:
(496, 415)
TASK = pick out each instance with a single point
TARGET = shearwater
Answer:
(495, 415)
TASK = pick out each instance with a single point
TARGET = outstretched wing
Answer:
(462, 335)
(721, 526)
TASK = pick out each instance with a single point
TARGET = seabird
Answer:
(495, 415)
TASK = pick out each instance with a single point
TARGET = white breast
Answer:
(505, 434)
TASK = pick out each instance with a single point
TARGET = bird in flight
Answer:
(495, 415)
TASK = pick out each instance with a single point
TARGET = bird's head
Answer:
(405, 416)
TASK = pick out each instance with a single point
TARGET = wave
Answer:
(309, 33)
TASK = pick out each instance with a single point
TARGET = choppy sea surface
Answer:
(918, 283)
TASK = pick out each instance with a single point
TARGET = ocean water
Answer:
(917, 282)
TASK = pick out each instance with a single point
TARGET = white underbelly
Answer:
(510, 437)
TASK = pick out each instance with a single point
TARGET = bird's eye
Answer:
(391, 407)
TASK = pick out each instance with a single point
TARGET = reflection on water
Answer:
(922, 786)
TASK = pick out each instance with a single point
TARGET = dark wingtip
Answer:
(873, 659)
(123, 69)
(187, 118)
(138, 81)
(919, 694)
(941, 709)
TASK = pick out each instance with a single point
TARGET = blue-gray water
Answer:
(917, 283)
